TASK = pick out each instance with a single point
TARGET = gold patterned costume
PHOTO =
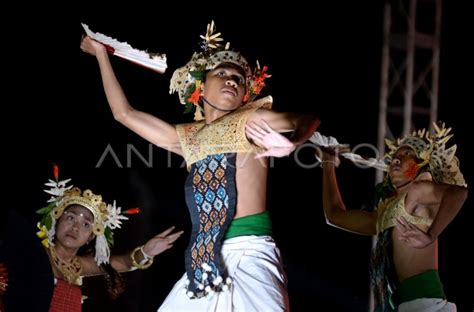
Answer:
(391, 209)
(225, 135)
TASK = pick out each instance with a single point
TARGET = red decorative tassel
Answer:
(55, 171)
(132, 211)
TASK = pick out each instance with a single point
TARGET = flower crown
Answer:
(107, 217)
(187, 80)
(431, 150)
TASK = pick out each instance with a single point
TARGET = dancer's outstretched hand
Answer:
(274, 143)
(161, 242)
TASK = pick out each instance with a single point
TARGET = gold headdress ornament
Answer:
(187, 80)
(431, 150)
(107, 217)
(86, 199)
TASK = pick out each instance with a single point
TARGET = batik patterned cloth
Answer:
(211, 198)
(380, 273)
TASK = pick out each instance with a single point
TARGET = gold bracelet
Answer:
(141, 266)
(145, 255)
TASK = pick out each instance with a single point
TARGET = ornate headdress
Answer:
(187, 79)
(431, 150)
(107, 217)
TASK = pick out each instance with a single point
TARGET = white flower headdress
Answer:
(106, 217)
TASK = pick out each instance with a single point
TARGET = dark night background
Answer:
(325, 60)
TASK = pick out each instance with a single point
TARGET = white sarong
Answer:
(427, 305)
(259, 282)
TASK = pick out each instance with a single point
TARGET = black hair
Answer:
(115, 281)
(382, 191)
